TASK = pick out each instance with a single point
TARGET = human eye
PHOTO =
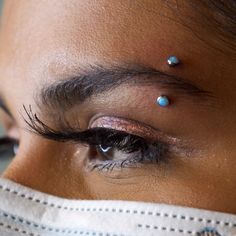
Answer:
(115, 149)
(113, 142)
(125, 143)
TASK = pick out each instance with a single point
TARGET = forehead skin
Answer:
(42, 41)
(55, 35)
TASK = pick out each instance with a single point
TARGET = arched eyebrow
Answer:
(96, 80)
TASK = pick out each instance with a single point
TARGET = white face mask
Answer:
(24, 211)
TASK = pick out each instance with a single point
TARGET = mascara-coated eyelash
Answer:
(132, 148)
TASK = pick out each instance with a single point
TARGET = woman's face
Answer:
(92, 64)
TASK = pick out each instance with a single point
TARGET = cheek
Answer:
(49, 167)
(59, 169)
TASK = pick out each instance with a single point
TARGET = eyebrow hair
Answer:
(96, 80)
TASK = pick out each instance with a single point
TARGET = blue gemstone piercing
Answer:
(163, 101)
(173, 61)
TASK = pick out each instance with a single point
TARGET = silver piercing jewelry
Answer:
(163, 101)
(173, 61)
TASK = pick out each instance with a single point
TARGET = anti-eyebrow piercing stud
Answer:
(173, 61)
(163, 101)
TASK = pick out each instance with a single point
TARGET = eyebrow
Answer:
(96, 80)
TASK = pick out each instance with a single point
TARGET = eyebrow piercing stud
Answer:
(163, 101)
(173, 61)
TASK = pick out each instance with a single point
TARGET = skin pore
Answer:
(45, 43)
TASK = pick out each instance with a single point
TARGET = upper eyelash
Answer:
(68, 134)
(118, 139)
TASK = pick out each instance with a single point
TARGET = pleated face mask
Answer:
(24, 211)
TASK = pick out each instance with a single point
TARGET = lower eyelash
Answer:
(111, 165)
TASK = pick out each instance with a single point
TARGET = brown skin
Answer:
(46, 40)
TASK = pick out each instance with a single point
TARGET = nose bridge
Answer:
(49, 166)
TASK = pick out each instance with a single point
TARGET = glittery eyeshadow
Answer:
(132, 127)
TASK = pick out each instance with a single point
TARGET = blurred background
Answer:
(6, 148)
(5, 153)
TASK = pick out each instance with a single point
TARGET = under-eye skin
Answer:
(114, 142)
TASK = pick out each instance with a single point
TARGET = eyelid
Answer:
(132, 127)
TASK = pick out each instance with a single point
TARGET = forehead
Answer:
(94, 29)
(49, 39)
